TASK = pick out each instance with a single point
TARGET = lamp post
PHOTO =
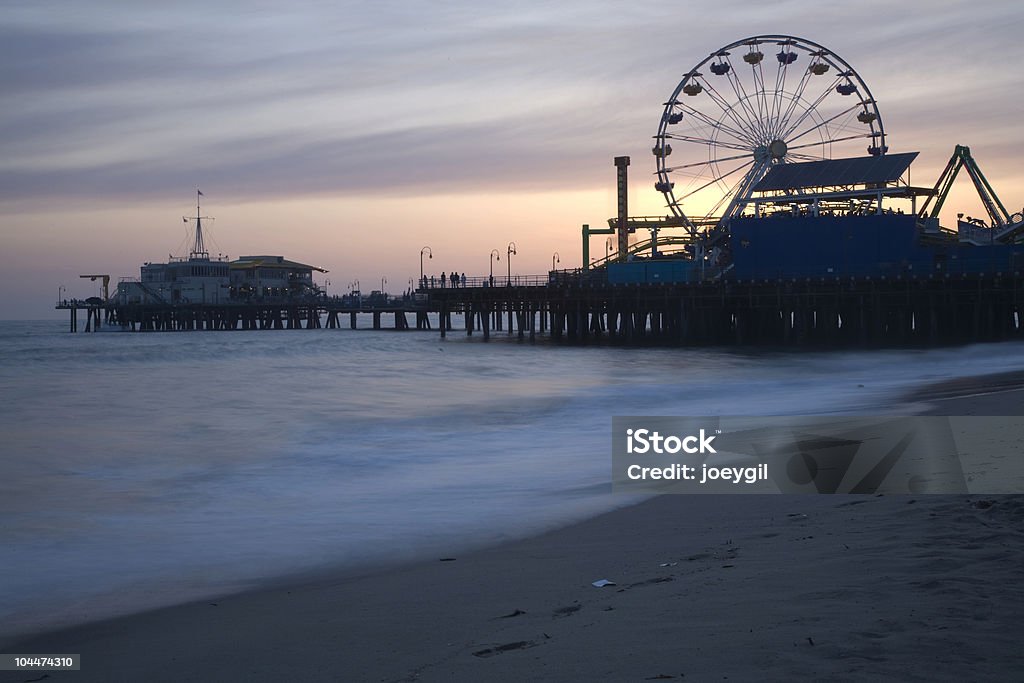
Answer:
(327, 283)
(431, 255)
(511, 250)
(59, 290)
(555, 258)
(495, 254)
(383, 281)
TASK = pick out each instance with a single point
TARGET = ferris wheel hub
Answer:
(778, 149)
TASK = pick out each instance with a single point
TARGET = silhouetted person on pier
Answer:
(454, 279)
(463, 279)
(443, 279)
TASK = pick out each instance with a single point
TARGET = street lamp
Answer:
(59, 290)
(495, 254)
(511, 250)
(555, 258)
(431, 254)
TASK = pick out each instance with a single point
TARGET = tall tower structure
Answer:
(621, 164)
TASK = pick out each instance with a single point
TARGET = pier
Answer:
(823, 312)
(584, 308)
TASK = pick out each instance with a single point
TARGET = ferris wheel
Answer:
(740, 111)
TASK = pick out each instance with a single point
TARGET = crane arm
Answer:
(106, 284)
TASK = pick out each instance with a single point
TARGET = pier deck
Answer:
(585, 308)
(313, 314)
(881, 311)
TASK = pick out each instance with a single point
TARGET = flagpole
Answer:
(199, 247)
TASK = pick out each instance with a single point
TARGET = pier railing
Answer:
(555, 277)
(436, 282)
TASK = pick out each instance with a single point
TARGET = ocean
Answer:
(146, 469)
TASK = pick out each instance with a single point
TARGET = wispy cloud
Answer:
(397, 97)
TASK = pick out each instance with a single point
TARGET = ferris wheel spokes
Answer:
(716, 180)
(751, 128)
(741, 97)
(780, 87)
(706, 141)
(708, 162)
(790, 132)
(829, 142)
(824, 124)
(785, 129)
(794, 99)
(717, 125)
(741, 94)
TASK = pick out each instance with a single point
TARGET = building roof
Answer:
(886, 168)
(271, 262)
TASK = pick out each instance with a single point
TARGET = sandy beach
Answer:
(843, 588)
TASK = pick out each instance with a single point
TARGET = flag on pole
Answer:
(200, 193)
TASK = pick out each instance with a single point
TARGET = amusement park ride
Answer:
(747, 134)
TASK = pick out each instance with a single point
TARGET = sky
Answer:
(349, 135)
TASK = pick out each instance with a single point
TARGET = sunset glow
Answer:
(352, 135)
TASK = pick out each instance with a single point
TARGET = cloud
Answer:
(481, 103)
(400, 98)
(422, 159)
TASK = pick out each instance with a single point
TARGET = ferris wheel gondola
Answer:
(728, 122)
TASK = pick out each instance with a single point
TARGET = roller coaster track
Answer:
(671, 244)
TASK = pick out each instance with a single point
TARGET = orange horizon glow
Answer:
(351, 139)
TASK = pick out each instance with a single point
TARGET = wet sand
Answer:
(999, 394)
